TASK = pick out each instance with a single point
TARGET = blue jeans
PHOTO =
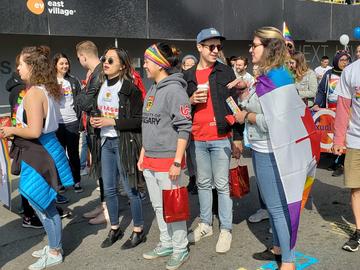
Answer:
(211, 160)
(111, 169)
(84, 150)
(52, 224)
(271, 190)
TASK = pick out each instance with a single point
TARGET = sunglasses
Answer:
(212, 47)
(109, 60)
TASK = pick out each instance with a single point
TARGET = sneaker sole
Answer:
(64, 202)
(79, 191)
(148, 257)
(177, 266)
(31, 226)
(348, 248)
(48, 265)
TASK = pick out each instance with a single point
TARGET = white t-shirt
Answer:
(67, 113)
(349, 87)
(246, 78)
(261, 146)
(108, 104)
(320, 71)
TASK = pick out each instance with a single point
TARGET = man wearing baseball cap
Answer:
(211, 145)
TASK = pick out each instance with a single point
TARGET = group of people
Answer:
(150, 138)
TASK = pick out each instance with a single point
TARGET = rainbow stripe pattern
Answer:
(154, 55)
(286, 32)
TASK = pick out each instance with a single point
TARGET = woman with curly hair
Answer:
(36, 152)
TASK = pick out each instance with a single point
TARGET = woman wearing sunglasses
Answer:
(120, 103)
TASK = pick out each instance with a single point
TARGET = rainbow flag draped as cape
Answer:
(293, 136)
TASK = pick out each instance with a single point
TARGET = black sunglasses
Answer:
(109, 60)
(213, 46)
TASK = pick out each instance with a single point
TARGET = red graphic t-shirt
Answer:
(204, 122)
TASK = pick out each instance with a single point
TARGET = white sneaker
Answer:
(224, 242)
(260, 215)
(202, 230)
(43, 252)
(46, 261)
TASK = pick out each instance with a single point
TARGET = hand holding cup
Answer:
(200, 95)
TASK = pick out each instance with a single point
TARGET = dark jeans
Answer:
(112, 170)
(68, 135)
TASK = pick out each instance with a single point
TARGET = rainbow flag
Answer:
(5, 173)
(286, 33)
(294, 139)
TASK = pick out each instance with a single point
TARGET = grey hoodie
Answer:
(166, 117)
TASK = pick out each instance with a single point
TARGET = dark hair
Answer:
(171, 53)
(56, 59)
(42, 73)
(325, 57)
(17, 63)
(124, 58)
(246, 61)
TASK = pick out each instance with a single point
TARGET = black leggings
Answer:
(68, 135)
(28, 210)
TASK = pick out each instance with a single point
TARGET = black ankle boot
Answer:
(135, 239)
(112, 237)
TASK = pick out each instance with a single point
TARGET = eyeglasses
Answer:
(212, 47)
(109, 60)
(253, 46)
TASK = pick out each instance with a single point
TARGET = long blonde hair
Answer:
(275, 51)
(301, 66)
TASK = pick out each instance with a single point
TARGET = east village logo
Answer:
(37, 7)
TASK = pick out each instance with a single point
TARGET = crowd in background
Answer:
(141, 142)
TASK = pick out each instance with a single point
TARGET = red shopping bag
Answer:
(176, 204)
(239, 181)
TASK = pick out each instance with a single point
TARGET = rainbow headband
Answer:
(153, 54)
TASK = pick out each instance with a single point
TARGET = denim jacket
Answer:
(258, 131)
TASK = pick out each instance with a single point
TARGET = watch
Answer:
(177, 164)
(246, 120)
